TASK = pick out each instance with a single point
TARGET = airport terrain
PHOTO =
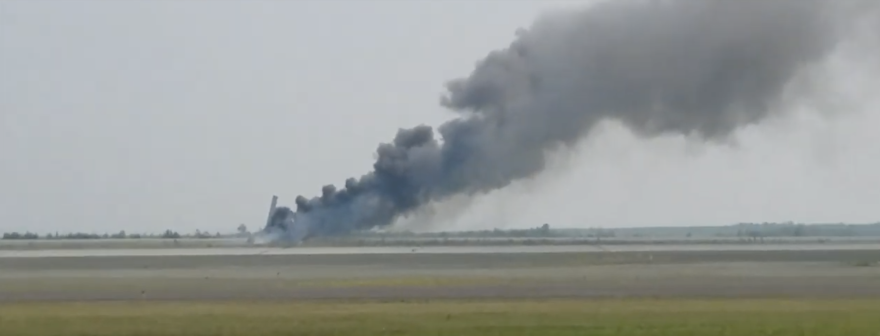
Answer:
(739, 289)
(816, 270)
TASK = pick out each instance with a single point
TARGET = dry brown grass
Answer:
(460, 318)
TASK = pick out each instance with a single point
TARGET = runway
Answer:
(592, 248)
(394, 273)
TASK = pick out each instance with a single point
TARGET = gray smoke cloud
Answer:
(701, 68)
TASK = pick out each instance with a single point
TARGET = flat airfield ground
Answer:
(806, 273)
(554, 291)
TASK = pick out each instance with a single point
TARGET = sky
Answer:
(151, 115)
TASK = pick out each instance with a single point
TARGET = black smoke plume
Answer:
(702, 68)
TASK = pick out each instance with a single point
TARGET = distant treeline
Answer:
(168, 234)
(242, 231)
(769, 230)
(542, 231)
(742, 230)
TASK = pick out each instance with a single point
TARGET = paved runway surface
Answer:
(245, 251)
(820, 270)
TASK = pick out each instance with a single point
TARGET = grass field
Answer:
(461, 318)
(731, 293)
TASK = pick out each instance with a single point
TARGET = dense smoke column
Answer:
(697, 67)
(281, 218)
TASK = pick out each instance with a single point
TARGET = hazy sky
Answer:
(147, 115)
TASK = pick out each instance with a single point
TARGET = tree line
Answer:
(242, 231)
(82, 235)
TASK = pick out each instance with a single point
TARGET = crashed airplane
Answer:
(280, 225)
